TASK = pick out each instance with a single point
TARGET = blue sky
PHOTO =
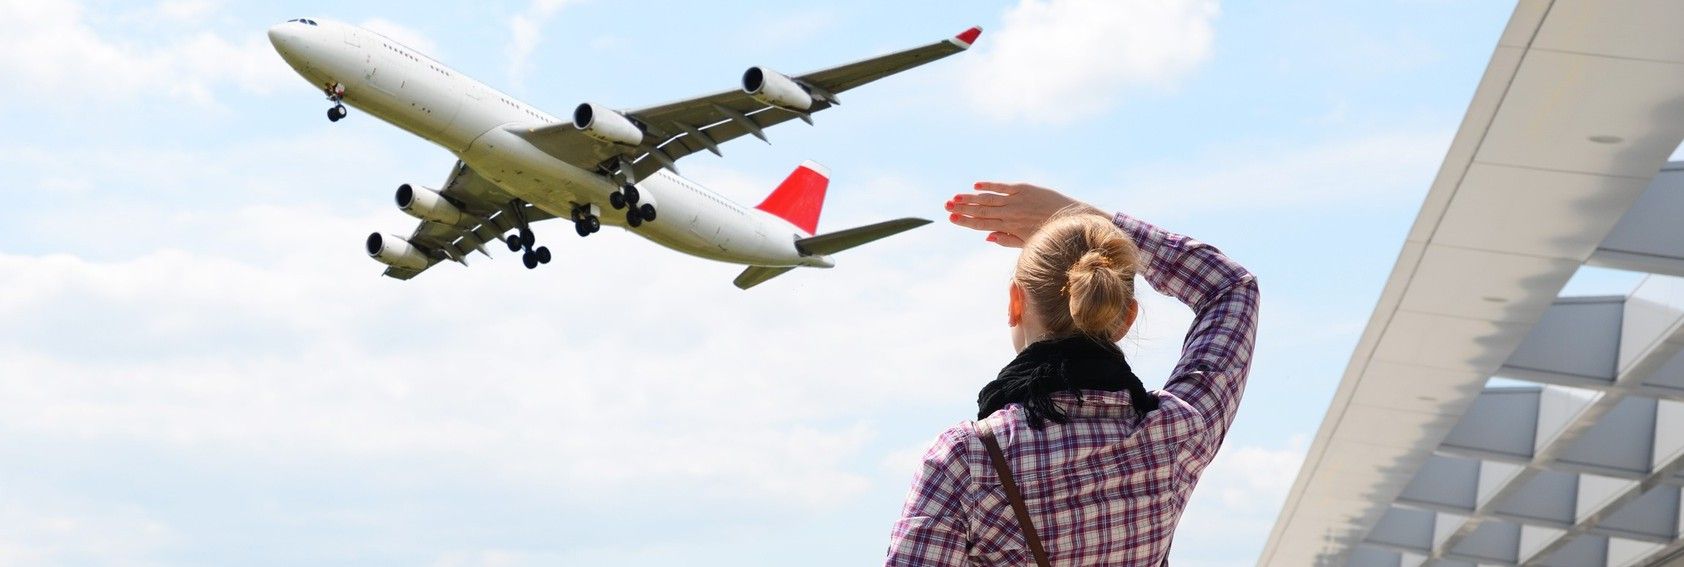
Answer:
(199, 366)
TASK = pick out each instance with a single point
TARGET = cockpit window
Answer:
(303, 21)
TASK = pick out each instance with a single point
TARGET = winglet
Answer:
(968, 37)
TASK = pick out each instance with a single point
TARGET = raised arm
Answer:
(1217, 354)
(1216, 357)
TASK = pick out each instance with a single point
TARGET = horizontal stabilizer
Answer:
(754, 275)
(844, 239)
(830, 244)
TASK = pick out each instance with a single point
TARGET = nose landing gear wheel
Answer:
(336, 113)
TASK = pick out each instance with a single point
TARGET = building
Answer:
(1483, 419)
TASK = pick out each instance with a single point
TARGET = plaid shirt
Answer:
(1102, 489)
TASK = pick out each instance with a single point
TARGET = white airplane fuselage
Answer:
(424, 97)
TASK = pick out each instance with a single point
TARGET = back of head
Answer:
(1077, 272)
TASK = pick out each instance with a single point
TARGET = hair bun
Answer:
(1093, 259)
(1078, 271)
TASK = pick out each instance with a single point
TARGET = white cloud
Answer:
(1055, 61)
(69, 60)
(190, 11)
(1379, 169)
(1236, 502)
(526, 31)
(42, 528)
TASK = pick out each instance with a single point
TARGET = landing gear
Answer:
(629, 199)
(585, 222)
(523, 239)
(336, 94)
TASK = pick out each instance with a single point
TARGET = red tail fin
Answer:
(800, 197)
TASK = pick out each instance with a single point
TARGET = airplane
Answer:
(518, 165)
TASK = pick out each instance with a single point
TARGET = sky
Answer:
(199, 365)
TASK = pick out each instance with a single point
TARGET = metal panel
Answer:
(1580, 551)
(1500, 425)
(1652, 516)
(1402, 528)
(1548, 498)
(1620, 443)
(1578, 339)
(1493, 540)
(1649, 236)
(1447, 483)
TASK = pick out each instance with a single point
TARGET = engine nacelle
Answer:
(606, 125)
(395, 252)
(427, 204)
(767, 86)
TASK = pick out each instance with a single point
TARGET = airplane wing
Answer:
(489, 214)
(674, 130)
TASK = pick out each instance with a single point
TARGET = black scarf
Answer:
(1069, 364)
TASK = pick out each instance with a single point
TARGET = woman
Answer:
(1099, 467)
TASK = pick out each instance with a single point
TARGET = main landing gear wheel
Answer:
(523, 239)
(584, 222)
(636, 214)
(587, 226)
(617, 200)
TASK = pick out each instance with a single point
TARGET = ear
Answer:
(1014, 306)
(1128, 320)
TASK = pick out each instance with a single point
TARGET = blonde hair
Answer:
(1077, 272)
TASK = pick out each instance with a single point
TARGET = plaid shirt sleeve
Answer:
(1216, 357)
(933, 529)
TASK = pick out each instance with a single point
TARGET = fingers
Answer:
(978, 223)
(982, 199)
(1007, 188)
(973, 210)
(1005, 239)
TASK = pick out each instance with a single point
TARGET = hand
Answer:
(1008, 212)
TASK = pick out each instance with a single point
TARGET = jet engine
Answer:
(767, 86)
(427, 204)
(395, 252)
(606, 125)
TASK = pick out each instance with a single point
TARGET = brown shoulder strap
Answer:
(1004, 470)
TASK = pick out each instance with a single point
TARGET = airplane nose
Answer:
(284, 36)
